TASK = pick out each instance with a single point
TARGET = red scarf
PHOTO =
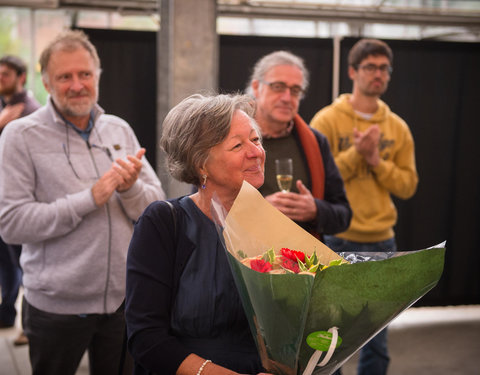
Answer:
(314, 156)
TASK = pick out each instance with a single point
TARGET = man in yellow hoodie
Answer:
(374, 151)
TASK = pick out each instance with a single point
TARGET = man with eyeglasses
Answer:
(374, 151)
(73, 180)
(317, 200)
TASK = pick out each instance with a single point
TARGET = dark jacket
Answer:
(31, 104)
(158, 255)
(157, 291)
(333, 211)
(324, 180)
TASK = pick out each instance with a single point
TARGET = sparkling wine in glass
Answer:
(284, 173)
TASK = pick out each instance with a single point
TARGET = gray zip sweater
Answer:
(74, 253)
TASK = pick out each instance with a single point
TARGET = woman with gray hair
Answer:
(183, 312)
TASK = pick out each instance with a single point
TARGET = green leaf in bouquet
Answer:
(241, 254)
(335, 262)
(314, 268)
(288, 271)
(302, 266)
(270, 255)
(312, 260)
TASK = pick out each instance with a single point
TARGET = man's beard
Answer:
(76, 110)
(376, 91)
(7, 90)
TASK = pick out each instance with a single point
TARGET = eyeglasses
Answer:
(372, 68)
(81, 174)
(295, 90)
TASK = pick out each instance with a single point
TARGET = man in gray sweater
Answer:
(72, 182)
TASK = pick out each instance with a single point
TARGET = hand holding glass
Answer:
(284, 173)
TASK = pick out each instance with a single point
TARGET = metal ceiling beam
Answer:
(116, 5)
(139, 6)
(379, 13)
(343, 13)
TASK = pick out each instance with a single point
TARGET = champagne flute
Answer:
(284, 173)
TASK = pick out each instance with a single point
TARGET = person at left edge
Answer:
(15, 102)
(72, 182)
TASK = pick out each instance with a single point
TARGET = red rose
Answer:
(260, 265)
(291, 265)
(293, 254)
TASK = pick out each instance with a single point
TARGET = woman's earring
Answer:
(204, 176)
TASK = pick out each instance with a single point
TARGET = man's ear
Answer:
(352, 72)
(255, 87)
(22, 79)
(45, 84)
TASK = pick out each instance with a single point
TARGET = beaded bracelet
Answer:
(202, 366)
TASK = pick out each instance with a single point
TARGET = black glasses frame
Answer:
(372, 68)
(279, 86)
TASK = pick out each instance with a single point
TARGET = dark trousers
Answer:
(10, 281)
(58, 342)
(374, 358)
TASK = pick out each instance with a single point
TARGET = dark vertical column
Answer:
(188, 63)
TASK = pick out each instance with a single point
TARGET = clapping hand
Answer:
(366, 143)
(129, 170)
(120, 177)
(10, 113)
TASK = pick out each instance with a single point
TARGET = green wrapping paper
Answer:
(362, 298)
(359, 298)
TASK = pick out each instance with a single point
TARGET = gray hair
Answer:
(277, 58)
(194, 126)
(69, 41)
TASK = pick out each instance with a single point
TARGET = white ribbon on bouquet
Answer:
(313, 361)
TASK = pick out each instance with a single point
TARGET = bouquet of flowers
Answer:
(304, 301)
(288, 261)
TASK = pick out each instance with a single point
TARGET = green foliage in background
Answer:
(10, 44)
(7, 45)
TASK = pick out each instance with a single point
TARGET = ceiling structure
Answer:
(445, 13)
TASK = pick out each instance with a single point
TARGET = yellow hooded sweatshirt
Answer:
(368, 189)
